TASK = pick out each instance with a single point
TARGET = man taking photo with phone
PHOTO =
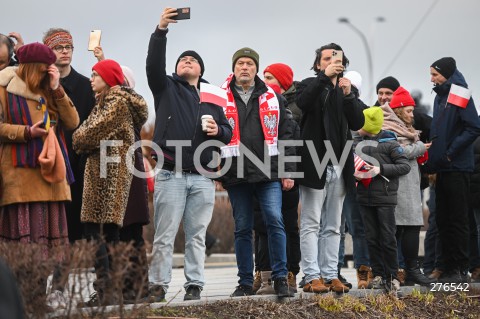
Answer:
(330, 111)
(181, 192)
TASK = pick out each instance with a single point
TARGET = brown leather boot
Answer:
(436, 273)
(363, 276)
(401, 275)
(292, 281)
(476, 275)
(257, 281)
(336, 285)
(316, 286)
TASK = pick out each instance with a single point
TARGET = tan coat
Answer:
(21, 185)
(105, 199)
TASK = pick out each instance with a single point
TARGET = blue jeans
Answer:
(269, 195)
(320, 222)
(356, 228)
(188, 197)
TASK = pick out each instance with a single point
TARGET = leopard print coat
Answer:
(105, 199)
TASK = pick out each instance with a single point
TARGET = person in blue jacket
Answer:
(453, 131)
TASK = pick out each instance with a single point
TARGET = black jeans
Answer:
(452, 191)
(408, 239)
(290, 201)
(135, 282)
(433, 248)
(102, 234)
(380, 229)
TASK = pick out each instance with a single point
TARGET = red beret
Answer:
(401, 98)
(36, 53)
(110, 71)
(282, 72)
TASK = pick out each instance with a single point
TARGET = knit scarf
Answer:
(269, 110)
(26, 154)
(393, 123)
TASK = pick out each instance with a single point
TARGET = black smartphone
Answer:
(182, 14)
(433, 138)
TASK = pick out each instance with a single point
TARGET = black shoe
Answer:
(209, 248)
(192, 293)
(302, 283)
(281, 287)
(242, 291)
(156, 293)
(452, 276)
(344, 281)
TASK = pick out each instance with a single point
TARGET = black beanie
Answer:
(445, 66)
(196, 56)
(389, 82)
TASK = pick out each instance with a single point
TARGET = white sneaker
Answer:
(376, 283)
(56, 300)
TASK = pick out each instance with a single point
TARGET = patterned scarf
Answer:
(26, 154)
(393, 123)
(23, 154)
(269, 110)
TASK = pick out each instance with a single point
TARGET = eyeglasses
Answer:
(60, 48)
(191, 59)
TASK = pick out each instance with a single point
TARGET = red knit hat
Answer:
(401, 98)
(36, 53)
(282, 72)
(110, 71)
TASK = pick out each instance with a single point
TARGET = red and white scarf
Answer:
(269, 119)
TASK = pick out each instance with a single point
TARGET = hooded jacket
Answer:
(393, 163)
(178, 109)
(327, 115)
(22, 185)
(453, 131)
(122, 111)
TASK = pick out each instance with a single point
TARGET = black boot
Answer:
(415, 276)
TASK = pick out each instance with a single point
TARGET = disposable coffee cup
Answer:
(205, 122)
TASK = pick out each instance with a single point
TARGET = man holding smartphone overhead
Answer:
(330, 111)
(181, 192)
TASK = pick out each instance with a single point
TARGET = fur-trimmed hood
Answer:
(15, 85)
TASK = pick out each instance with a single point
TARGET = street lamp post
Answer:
(367, 49)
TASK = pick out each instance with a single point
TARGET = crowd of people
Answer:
(359, 169)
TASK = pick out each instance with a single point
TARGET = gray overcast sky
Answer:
(280, 31)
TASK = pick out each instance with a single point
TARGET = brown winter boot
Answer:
(436, 273)
(363, 276)
(316, 286)
(336, 285)
(401, 276)
(266, 288)
(292, 281)
(476, 275)
(257, 281)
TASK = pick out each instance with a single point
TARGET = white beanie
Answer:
(355, 78)
(128, 73)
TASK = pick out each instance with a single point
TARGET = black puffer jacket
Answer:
(178, 109)
(393, 163)
(327, 115)
(475, 177)
(251, 136)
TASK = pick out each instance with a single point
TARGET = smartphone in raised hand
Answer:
(337, 56)
(94, 39)
(182, 14)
